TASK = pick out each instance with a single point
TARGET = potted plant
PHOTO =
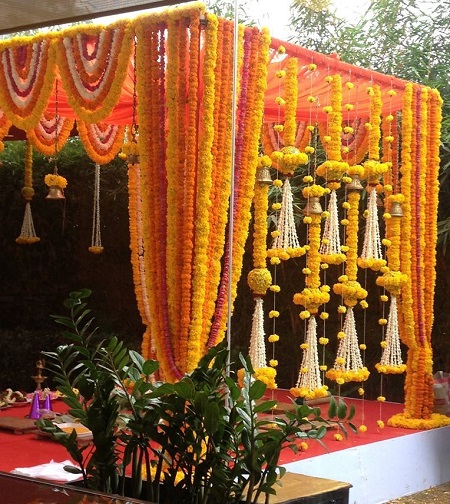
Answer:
(204, 439)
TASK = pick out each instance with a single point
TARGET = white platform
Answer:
(385, 470)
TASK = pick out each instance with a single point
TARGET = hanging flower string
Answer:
(96, 239)
(28, 233)
(259, 280)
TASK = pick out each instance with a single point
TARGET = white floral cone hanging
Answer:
(309, 384)
(330, 248)
(286, 243)
(348, 365)
(257, 350)
(371, 256)
(27, 233)
(391, 360)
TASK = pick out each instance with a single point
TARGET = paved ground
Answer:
(439, 494)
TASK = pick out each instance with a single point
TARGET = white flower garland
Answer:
(309, 375)
(372, 243)
(331, 242)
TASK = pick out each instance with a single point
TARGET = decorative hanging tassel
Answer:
(348, 365)
(257, 350)
(286, 243)
(371, 256)
(27, 233)
(309, 384)
(330, 248)
(96, 240)
(391, 360)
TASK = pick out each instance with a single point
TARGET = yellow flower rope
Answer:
(204, 183)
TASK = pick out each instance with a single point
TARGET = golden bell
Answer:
(313, 206)
(263, 176)
(355, 184)
(396, 209)
(55, 192)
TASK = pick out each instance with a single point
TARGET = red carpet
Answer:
(23, 450)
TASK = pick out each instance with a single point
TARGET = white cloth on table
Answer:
(53, 471)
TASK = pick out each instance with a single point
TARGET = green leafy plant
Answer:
(205, 439)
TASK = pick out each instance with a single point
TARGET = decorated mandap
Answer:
(211, 133)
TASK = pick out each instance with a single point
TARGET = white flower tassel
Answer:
(287, 239)
(257, 350)
(391, 360)
(309, 383)
(371, 256)
(27, 233)
(348, 365)
(330, 248)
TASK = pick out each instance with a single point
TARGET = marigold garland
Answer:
(94, 98)
(26, 83)
(5, 124)
(101, 141)
(50, 134)
(247, 143)
(201, 233)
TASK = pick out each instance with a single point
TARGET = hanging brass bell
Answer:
(396, 209)
(55, 193)
(313, 206)
(263, 176)
(355, 184)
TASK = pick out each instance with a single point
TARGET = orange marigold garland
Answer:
(50, 134)
(27, 75)
(93, 65)
(102, 141)
(253, 85)
(5, 124)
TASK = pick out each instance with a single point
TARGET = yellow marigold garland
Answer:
(204, 183)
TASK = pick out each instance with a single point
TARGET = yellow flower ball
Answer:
(361, 391)
(384, 298)
(381, 398)
(323, 367)
(311, 99)
(274, 261)
(362, 428)
(312, 67)
(310, 128)
(340, 360)
(324, 316)
(275, 233)
(304, 370)
(273, 363)
(363, 346)
(274, 314)
(382, 321)
(338, 437)
(340, 381)
(324, 266)
(383, 344)
(275, 288)
(342, 309)
(309, 149)
(364, 304)
(327, 138)
(344, 222)
(380, 424)
(278, 128)
(329, 78)
(277, 183)
(259, 280)
(341, 335)
(280, 73)
(276, 206)
(280, 101)
(327, 109)
(349, 85)
(303, 446)
(392, 92)
(304, 314)
(307, 219)
(281, 49)
(323, 340)
(273, 338)
(304, 346)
